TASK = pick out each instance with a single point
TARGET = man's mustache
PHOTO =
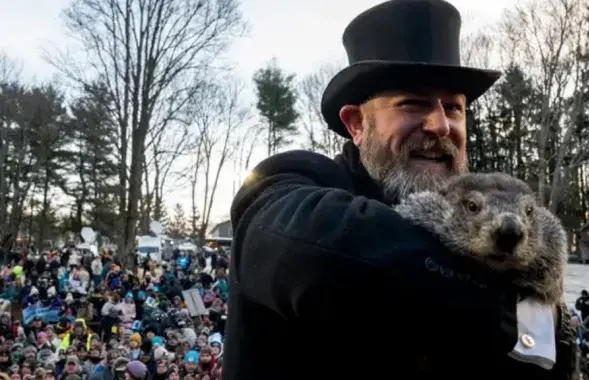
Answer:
(416, 145)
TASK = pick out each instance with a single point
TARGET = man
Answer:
(582, 304)
(327, 282)
(584, 243)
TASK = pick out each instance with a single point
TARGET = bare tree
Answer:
(168, 140)
(204, 114)
(148, 52)
(166, 146)
(245, 147)
(319, 138)
(549, 38)
(10, 69)
(219, 113)
(192, 175)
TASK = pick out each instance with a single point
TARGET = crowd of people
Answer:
(74, 315)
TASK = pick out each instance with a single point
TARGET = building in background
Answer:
(221, 230)
(221, 235)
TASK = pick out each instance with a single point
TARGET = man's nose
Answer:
(436, 121)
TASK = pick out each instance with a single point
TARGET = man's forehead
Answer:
(421, 92)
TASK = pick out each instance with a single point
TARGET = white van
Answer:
(151, 245)
(189, 249)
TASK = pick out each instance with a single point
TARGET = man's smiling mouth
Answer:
(432, 156)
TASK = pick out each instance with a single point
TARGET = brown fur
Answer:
(539, 258)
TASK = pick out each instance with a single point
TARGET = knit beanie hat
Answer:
(136, 337)
(137, 369)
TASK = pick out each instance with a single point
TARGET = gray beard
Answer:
(392, 174)
(398, 183)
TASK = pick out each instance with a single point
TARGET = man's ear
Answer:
(351, 117)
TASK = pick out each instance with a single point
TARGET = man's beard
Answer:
(393, 172)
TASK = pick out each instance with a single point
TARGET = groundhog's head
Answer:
(493, 214)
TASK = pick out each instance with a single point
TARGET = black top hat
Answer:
(402, 44)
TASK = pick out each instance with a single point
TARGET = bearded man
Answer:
(327, 282)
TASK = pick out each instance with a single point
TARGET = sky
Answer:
(300, 34)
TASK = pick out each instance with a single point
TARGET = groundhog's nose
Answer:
(509, 234)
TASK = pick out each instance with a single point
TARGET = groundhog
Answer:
(495, 219)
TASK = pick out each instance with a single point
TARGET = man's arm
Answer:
(304, 247)
(105, 311)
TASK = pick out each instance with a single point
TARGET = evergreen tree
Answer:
(276, 105)
(177, 228)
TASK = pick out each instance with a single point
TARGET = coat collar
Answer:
(349, 162)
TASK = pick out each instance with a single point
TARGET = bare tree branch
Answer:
(319, 138)
(142, 50)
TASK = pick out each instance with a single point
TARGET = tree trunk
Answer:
(44, 209)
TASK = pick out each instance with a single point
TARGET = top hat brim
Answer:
(358, 82)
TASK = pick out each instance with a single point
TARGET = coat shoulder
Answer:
(317, 167)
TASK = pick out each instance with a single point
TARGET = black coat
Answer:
(327, 282)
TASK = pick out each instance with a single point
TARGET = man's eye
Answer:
(453, 107)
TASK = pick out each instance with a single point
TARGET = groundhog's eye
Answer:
(529, 210)
(471, 206)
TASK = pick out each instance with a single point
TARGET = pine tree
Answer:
(276, 105)
(177, 228)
